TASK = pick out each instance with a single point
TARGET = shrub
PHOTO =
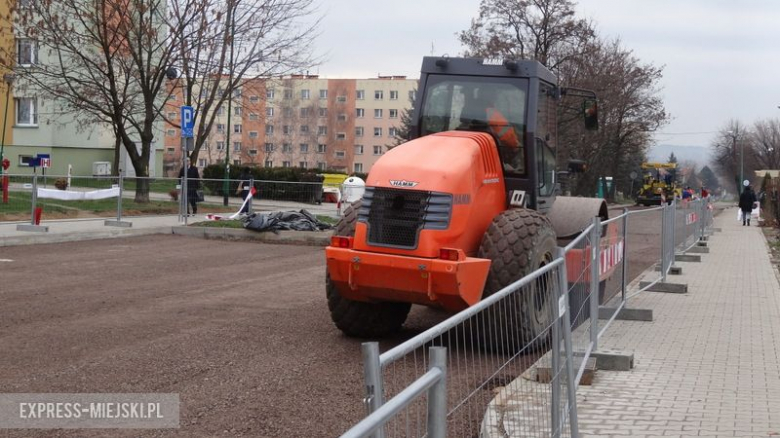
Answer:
(61, 183)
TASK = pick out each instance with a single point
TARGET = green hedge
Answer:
(276, 183)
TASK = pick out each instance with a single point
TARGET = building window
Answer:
(269, 147)
(378, 95)
(269, 94)
(341, 136)
(237, 111)
(377, 132)
(236, 146)
(26, 111)
(253, 134)
(321, 165)
(358, 131)
(26, 52)
(220, 128)
(393, 113)
(286, 164)
(269, 129)
(237, 93)
(393, 94)
(269, 163)
(220, 111)
(287, 94)
(201, 162)
(172, 97)
(323, 112)
(341, 99)
(377, 113)
(342, 117)
(303, 165)
(288, 111)
(358, 149)
(360, 113)
(253, 152)
(412, 95)
(392, 132)
(359, 167)
(171, 133)
(286, 129)
(323, 94)
(322, 130)
(377, 150)
(237, 162)
(286, 148)
(254, 99)
(237, 129)
(220, 145)
(170, 150)
(341, 154)
(172, 116)
(304, 94)
(254, 117)
(304, 148)
(304, 112)
(304, 129)
(322, 148)
(361, 94)
(269, 112)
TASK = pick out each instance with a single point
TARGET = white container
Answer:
(352, 190)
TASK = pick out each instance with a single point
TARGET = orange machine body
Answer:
(466, 167)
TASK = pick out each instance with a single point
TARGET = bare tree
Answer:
(544, 30)
(232, 41)
(728, 146)
(765, 143)
(105, 60)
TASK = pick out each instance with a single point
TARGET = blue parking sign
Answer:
(187, 121)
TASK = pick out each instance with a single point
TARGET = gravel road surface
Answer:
(240, 330)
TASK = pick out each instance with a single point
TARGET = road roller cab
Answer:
(464, 208)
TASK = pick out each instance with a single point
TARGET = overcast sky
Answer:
(721, 58)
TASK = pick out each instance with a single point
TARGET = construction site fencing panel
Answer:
(486, 350)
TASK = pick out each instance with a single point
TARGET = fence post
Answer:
(437, 395)
(555, 365)
(372, 371)
(119, 200)
(571, 378)
(595, 271)
(625, 255)
(664, 241)
(34, 200)
(251, 196)
(672, 226)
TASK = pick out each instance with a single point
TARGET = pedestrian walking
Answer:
(193, 187)
(746, 201)
(243, 187)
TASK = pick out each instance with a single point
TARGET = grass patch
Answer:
(219, 224)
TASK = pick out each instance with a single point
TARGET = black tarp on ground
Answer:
(284, 220)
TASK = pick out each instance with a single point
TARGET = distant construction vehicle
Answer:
(658, 188)
(467, 207)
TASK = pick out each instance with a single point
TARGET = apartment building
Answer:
(300, 121)
(39, 124)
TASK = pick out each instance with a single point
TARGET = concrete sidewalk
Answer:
(709, 364)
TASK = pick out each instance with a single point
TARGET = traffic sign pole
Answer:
(187, 128)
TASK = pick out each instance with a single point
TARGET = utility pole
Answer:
(226, 183)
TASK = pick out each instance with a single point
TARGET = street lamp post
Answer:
(226, 183)
(8, 78)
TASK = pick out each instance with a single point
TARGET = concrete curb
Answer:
(75, 236)
(303, 238)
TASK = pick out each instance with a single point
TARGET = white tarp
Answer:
(67, 195)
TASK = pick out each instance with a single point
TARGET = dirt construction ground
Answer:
(240, 330)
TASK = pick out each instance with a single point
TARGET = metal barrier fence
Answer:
(82, 197)
(539, 371)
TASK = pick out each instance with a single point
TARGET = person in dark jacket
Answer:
(193, 185)
(243, 187)
(746, 201)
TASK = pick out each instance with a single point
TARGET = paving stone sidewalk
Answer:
(709, 364)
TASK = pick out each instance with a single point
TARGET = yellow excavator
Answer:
(659, 184)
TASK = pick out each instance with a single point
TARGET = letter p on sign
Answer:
(187, 121)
